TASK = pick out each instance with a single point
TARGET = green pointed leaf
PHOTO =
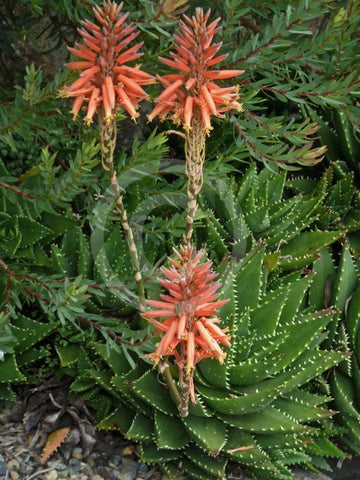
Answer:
(265, 318)
(212, 465)
(170, 432)
(241, 447)
(209, 433)
(320, 289)
(141, 429)
(121, 419)
(267, 420)
(196, 472)
(213, 372)
(344, 395)
(150, 453)
(152, 392)
(114, 358)
(9, 371)
(346, 279)
(301, 412)
(7, 394)
(307, 243)
(28, 332)
(294, 299)
(247, 282)
(352, 316)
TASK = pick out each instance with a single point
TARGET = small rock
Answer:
(106, 472)
(116, 460)
(56, 465)
(96, 477)
(52, 475)
(128, 450)
(124, 476)
(74, 467)
(14, 475)
(3, 470)
(78, 453)
(143, 468)
(91, 462)
(13, 465)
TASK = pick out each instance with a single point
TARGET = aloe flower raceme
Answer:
(105, 84)
(186, 316)
(106, 81)
(192, 97)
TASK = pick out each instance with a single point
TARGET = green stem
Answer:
(108, 143)
(165, 370)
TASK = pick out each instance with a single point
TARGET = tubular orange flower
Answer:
(194, 56)
(187, 314)
(103, 53)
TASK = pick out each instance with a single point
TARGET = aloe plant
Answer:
(257, 409)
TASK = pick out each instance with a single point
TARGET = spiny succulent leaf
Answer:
(150, 453)
(301, 412)
(248, 292)
(9, 370)
(320, 289)
(344, 394)
(114, 358)
(307, 243)
(346, 279)
(212, 465)
(170, 432)
(265, 421)
(142, 428)
(150, 390)
(121, 419)
(296, 292)
(195, 471)
(28, 332)
(209, 433)
(352, 319)
(213, 372)
(264, 318)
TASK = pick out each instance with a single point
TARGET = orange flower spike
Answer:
(195, 53)
(183, 311)
(104, 50)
